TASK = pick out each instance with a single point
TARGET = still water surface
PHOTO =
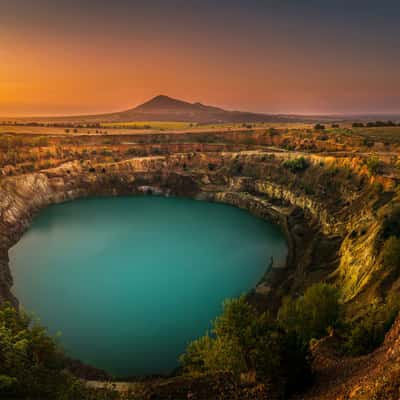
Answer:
(130, 281)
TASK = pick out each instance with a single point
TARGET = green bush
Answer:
(244, 341)
(368, 333)
(312, 315)
(373, 164)
(41, 141)
(234, 344)
(297, 164)
(32, 365)
(391, 253)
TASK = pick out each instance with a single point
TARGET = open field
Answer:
(155, 125)
(137, 128)
(387, 134)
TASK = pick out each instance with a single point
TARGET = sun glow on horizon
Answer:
(75, 59)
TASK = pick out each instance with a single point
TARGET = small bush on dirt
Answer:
(373, 165)
(368, 333)
(296, 165)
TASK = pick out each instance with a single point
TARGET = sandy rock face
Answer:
(332, 223)
(317, 211)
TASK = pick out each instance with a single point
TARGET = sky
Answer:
(275, 56)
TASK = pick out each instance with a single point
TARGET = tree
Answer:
(233, 345)
(33, 366)
(313, 314)
(319, 127)
(245, 341)
(26, 353)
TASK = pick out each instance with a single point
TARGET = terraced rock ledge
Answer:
(335, 212)
(333, 219)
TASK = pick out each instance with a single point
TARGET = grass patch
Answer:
(387, 134)
(160, 125)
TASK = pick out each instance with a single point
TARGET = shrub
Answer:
(26, 354)
(33, 366)
(29, 168)
(368, 333)
(243, 341)
(312, 315)
(273, 132)
(319, 127)
(296, 165)
(10, 143)
(373, 164)
(231, 347)
(237, 168)
(106, 152)
(41, 141)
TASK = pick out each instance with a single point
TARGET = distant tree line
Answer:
(371, 124)
(374, 124)
(51, 124)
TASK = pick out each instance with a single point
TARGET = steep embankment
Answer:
(335, 214)
(374, 376)
(334, 219)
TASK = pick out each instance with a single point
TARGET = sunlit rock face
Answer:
(318, 209)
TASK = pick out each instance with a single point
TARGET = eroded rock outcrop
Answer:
(328, 214)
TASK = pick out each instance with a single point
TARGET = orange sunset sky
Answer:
(73, 57)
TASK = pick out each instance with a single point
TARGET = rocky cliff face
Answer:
(329, 215)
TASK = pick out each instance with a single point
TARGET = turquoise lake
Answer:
(130, 281)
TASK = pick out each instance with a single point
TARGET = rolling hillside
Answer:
(164, 108)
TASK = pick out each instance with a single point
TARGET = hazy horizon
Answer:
(344, 114)
(288, 57)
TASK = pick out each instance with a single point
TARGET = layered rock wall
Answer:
(318, 209)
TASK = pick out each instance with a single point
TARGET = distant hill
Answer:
(165, 108)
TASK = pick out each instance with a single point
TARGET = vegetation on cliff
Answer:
(296, 165)
(32, 365)
(251, 345)
(367, 333)
(312, 315)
